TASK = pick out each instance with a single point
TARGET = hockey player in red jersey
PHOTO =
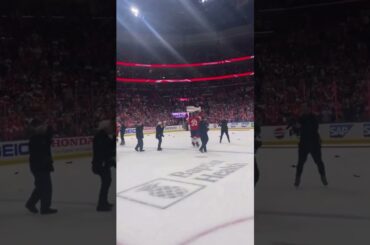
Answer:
(194, 121)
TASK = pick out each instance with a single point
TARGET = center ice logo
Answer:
(161, 193)
(165, 191)
(339, 131)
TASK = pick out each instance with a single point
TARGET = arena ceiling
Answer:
(171, 24)
(183, 16)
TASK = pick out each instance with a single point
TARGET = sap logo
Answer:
(279, 133)
(12, 150)
(367, 130)
(339, 131)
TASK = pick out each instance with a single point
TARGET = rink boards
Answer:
(338, 134)
(237, 126)
(62, 148)
(14, 152)
(334, 134)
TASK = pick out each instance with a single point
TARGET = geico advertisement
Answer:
(13, 149)
(59, 145)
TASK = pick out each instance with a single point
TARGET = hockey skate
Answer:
(297, 181)
(32, 208)
(324, 180)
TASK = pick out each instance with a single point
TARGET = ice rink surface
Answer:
(313, 214)
(75, 196)
(180, 196)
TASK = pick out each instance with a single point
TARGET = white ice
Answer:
(220, 213)
(75, 196)
(313, 214)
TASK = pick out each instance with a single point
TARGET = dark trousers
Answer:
(256, 172)
(159, 142)
(43, 190)
(204, 140)
(122, 139)
(106, 180)
(140, 144)
(315, 150)
(227, 135)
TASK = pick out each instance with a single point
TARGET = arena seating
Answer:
(325, 64)
(50, 76)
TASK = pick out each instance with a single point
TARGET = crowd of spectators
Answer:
(230, 100)
(323, 62)
(55, 69)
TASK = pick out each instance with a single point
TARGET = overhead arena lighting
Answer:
(135, 11)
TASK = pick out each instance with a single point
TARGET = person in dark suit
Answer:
(257, 145)
(224, 130)
(41, 165)
(122, 133)
(310, 143)
(104, 157)
(203, 131)
(139, 136)
(159, 134)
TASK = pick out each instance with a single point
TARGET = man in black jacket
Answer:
(310, 142)
(159, 134)
(257, 145)
(203, 131)
(139, 136)
(224, 130)
(104, 157)
(41, 165)
(122, 132)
